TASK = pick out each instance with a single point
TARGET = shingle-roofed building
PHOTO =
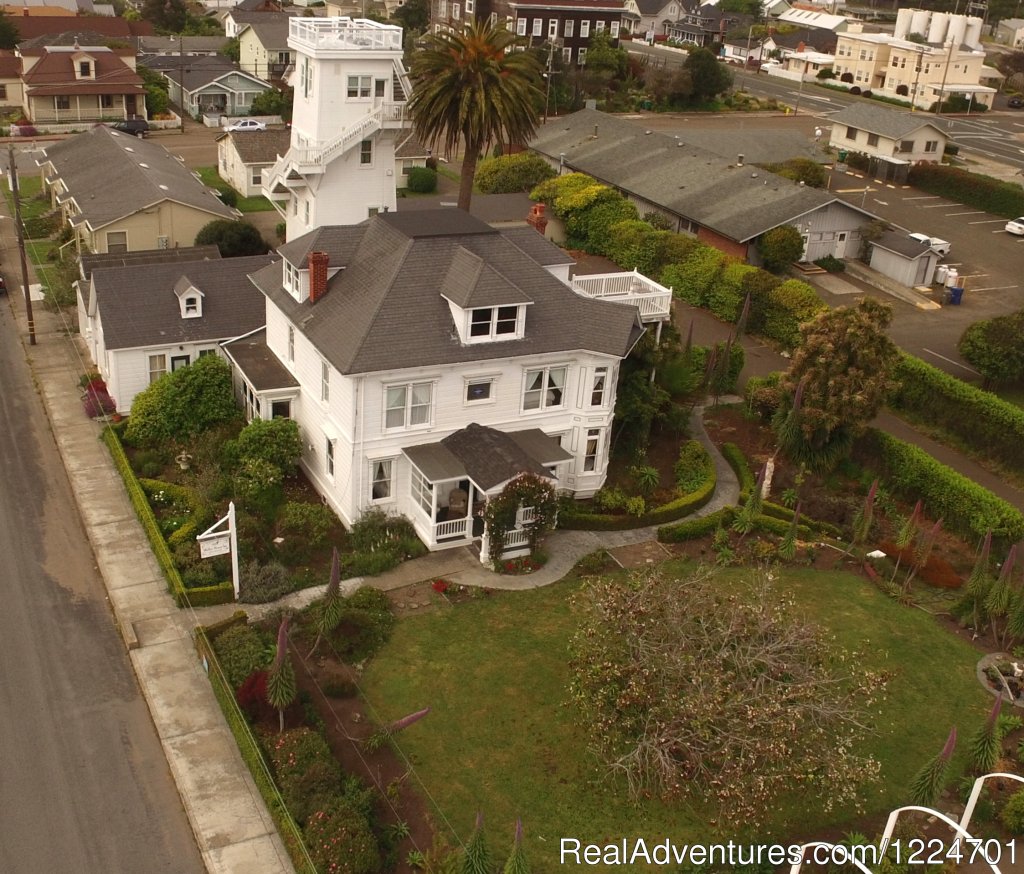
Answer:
(412, 332)
(137, 331)
(123, 194)
(896, 137)
(244, 156)
(723, 201)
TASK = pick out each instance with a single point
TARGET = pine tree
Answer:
(476, 859)
(517, 863)
(329, 615)
(930, 780)
(281, 686)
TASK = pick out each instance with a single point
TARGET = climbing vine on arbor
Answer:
(526, 490)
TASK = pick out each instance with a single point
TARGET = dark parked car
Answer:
(1015, 102)
(137, 127)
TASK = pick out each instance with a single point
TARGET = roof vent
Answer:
(739, 160)
(801, 183)
(680, 144)
(647, 133)
(143, 164)
(754, 176)
(164, 187)
(595, 132)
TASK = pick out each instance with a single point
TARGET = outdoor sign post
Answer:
(213, 543)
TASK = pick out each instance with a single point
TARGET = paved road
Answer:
(84, 784)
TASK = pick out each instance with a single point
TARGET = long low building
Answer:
(725, 202)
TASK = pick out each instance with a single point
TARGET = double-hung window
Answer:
(545, 388)
(494, 322)
(520, 27)
(570, 26)
(584, 29)
(291, 343)
(359, 87)
(592, 449)
(157, 367)
(613, 30)
(380, 479)
(409, 405)
(366, 153)
(329, 458)
(325, 381)
(599, 387)
(538, 27)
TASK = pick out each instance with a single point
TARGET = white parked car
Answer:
(1016, 226)
(247, 124)
(940, 246)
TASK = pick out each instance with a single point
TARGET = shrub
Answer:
(827, 73)
(365, 625)
(831, 264)
(305, 770)
(233, 239)
(633, 245)
(340, 841)
(252, 697)
(312, 523)
(993, 346)
(258, 486)
(692, 279)
(260, 583)
(780, 247)
(229, 196)
(381, 542)
(979, 191)
(240, 651)
(510, 174)
(721, 383)
(903, 90)
(763, 395)
(855, 89)
(738, 462)
(1012, 815)
(275, 442)
(725, 296)
(691, 470)
(967, 509)
(422, 180)
(788, 306)
(846, 77)
(183, 403)
(609, 499)
(691, 529)
(805, 170)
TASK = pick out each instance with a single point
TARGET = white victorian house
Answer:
(430, 358)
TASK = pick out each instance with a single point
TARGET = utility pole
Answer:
(547, 79)
(181, 77)
(917, 78)
(945, 72)
(15, 191)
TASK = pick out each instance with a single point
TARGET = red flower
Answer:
(440, 586)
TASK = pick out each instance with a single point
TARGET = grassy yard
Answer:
(500, 739)
(258, 203)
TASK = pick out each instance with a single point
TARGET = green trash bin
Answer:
(842, 156)
(647, 104)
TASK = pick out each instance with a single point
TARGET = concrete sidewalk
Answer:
(233, 829)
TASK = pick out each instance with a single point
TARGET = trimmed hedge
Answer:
(779, 527)
(784, 514)
(205, 596)
(738, 462)
(967, 509)
(691, 529)
(988, 423)
(681, 506)
(983, 192)
(249, 748)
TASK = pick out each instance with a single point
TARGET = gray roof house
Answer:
(122, 194)
(213, 84)
(263, 46)
(137, 331)
(724, 201)
(893, 138)
(907, 261)
(436, 357)
(244, 156)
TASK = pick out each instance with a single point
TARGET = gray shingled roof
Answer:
(148, 313)
(262, 368)
(201, 70)
(757, 146)
(271, 29)
(879, 120)
(112, 175)
(739, 202)
(259, 146)
(901, 244)
(138, 259)
(385, 309)
(537, 246)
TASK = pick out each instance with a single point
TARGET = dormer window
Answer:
(292, 280)
(191, 306)
(495, 323)
(84, 69)
(190, 299)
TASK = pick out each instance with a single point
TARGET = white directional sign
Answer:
(217, 544)
(213, 543)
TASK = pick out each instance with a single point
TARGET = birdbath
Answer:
(184, 460)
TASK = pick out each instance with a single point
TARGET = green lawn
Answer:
(257, 203)
(500, 739)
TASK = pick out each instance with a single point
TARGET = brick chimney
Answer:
(318, 262)
(536, 218)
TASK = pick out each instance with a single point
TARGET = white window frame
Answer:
(305, 213)
(382, 472)
(470, 6)
(329, 457)
(599, 387)
(61, 98)
(931, 146)
(325, 382)
(110, 242)
(456, 10)
(538, 27)
(592, 440)
(291, 344)
(156, 372)
(520, 27)
(442, 8)
(581, 58)
(552, 28)
(599, 26)
(499, 317)
(361, 84)
(546, 387)
(422, 492)
(585, 29)
(366, 153)
(471, 381)
(567, 55)
(570, 27)
(257, 175)
(190, 307)
(409, 409)
(613, 29)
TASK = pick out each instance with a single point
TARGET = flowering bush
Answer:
(440, 586)
(524, 565)
(340, 841)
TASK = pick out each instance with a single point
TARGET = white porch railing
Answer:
(654, 301)
(452, 528)
(517, 538)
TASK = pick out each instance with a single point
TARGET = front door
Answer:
(841, 244)
(179, 361)
(130, 108)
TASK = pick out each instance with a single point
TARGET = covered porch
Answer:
(452, 480)
(263, 385)
(653, 301)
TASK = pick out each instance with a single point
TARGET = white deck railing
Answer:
(347, 34)
(452, 528)
(516, 539)
(654, 301)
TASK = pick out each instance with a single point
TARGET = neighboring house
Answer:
(805, 39)
(703, 25)
(11, 90)
(178, 46)
(98, 261)
(814, 19)
(263, 47)
(213, 86)
(73, 83)
(725, 202)
(31, 27)
(904, 260)
(349, 110)
(656, 16)
(950, 61)
(243, 157)
(137, 331)
(409, 153)
(902, 138)
(239, 17)
(1010, 32)
(123, 194)
(756, 146)
(428, 358)
(806, 65)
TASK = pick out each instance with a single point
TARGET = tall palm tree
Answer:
(469, 87)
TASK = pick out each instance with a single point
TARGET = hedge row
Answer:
(779, 512)
(200, 513)
(249, 748)
(681, 506)
(205, 596)
(691, 529)
(738, 462)
(967, 509)
(975, 416)
(974, 189)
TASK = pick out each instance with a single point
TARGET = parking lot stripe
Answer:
(922, 196)
(938, 206)
(995, 288)
(972, 212)
(951, 361)
(988, 222)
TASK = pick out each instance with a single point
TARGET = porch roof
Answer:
(261, 367)
(487, 456)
